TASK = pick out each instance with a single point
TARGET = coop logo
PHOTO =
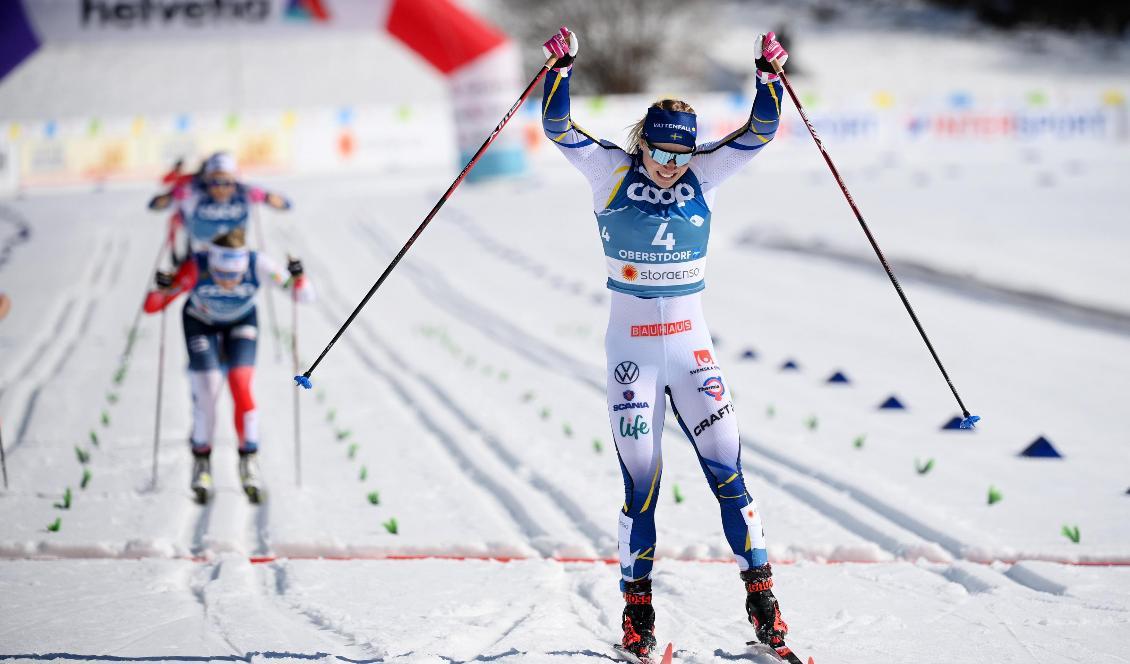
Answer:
(626, 373)
(221, 212)
(681, 193)
(166, 13)
(307, 10)
(713, 386)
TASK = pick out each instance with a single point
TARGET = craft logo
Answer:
(713, 386)
(626, 373)
(164, 13)
(714, 417)
(702, 358)
(629, 273)
(307, 10)
(661, 329)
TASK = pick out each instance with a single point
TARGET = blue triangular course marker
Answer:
(839, 377)
(954, 424)
(749, 354)
(790, 365)
(1041, 447)
(892, 403)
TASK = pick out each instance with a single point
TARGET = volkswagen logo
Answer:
(626, 373)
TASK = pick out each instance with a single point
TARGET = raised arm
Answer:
(596, 159)
(716, 161)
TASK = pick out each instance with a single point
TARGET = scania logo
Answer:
(682, 193)
(626, 373)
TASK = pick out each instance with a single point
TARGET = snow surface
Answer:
(469, 396)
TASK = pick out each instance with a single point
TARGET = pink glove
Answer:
(564, 46)
(769, 50)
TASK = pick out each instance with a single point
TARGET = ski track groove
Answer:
(557, 499)
(512, 336)
(69, 340)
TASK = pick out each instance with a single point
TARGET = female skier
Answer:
(213, 202)
(220, 331)
(652, 207)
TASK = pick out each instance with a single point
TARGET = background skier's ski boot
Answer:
(201, 477)
(249, 476)
(764, 612)
(639, 619)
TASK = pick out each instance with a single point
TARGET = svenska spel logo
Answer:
(307, 10)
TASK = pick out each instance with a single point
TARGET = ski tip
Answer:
(668, 654)
(969, 421)
(304, 381)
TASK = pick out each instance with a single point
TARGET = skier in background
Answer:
(653, 212)
(212, 202)
(221, 330)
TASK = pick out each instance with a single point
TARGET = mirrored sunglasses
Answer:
(663, 156)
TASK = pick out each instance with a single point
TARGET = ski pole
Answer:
(968, 420)
(304, 378)
(297, 401)
(160, 391)
(3, 461)
(270, 296)
(132, 336)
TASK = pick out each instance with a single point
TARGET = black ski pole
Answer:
(272, 319)
(968, 420)
(160, 391)
(304, 378)
(297, 401)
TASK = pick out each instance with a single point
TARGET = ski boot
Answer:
(249, 476)
(201, 477)
(764, 613)
(638, 620)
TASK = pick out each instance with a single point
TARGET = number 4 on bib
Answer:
(660, 241)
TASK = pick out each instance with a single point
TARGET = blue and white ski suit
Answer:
(657, 344)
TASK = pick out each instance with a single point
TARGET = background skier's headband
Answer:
(226, 263)
(663, 126)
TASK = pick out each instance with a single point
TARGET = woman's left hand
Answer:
(769, 51)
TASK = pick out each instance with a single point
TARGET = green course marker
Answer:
(994, 495)
(770, 411)
(364, 473)
(923, 468)
(858, 442)
(567, 430)
(55, 525)
(812, 423)
(597, 446)
(678, 495)
(83, 455)
(105, 418)
(352, 450)
(545, 413)
(1071, 533)
(93, 438)
(391, 526)
(374, 497)
(342, 434)
(85, 478)
(66, 504)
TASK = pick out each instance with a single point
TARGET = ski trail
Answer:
(546, 528)
(52, 354)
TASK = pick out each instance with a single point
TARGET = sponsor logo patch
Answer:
(713, 386)
(716, 416)
(634, 428)
(629, 395)
(703, 358)
(626, 373)
(629, 273)
(661, 329)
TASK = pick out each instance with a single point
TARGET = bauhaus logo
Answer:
(165, 13)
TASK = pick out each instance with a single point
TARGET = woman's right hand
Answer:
(563, 46)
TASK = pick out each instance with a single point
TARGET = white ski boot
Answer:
(201, 478)
(249, 476)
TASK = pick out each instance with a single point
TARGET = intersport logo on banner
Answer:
(164, 13)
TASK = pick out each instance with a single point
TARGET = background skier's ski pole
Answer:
(271, 318)
(160, 392)
(132, 335)
(968, 420)
(297, 401)
(304, 379)
(3, 461)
